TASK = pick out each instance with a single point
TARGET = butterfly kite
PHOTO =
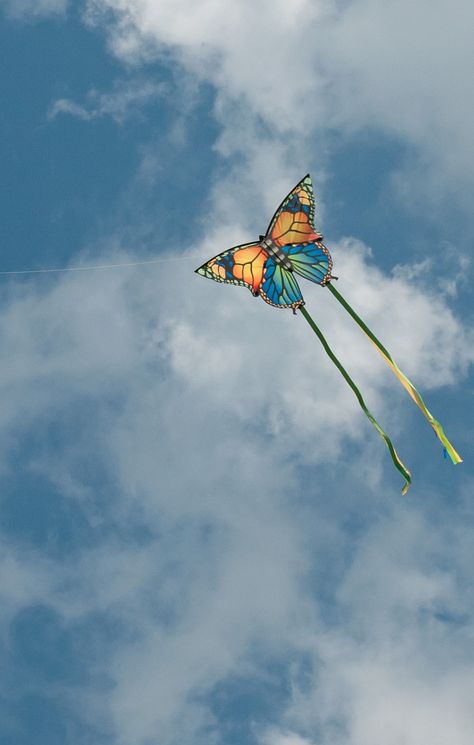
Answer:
(269, 267)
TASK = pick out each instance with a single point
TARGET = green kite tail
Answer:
(395, 458)
(406, 383)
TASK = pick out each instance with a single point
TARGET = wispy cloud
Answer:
(28, 9)
(124, 101)
(393, 670)
(275, 737)
(321, 66)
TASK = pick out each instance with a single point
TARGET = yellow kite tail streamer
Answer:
(409, 387)
(395, 458)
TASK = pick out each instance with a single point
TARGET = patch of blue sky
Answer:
(243, 703)
(170, 211)
(362, 199)
(47, 720)
(36, 514)
(54, 178)
(66, 182)
(45, 662)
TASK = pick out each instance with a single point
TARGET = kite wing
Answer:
(293, 246)
(251, 266)
(293, 222)
(311, 260)
(240, 265)
(279, 286)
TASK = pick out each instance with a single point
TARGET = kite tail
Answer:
(406, 383)
(395, 458)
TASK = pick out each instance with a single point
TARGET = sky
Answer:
(203, 540)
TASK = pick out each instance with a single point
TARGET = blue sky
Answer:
(203, 540)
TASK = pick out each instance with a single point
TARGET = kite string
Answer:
(406, 383)
(393, 453)
(93, 267)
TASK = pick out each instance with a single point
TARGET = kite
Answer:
(268, 267)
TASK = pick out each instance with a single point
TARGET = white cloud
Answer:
(274, 737)
(246, 50)
(198, 401)
(25, 578)
(125, 100)
(306, 67)
(398, 668)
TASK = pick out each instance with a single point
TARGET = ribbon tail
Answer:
(406, 383)
(393, 453)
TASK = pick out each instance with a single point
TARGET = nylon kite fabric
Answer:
(291, 246)
(269, 268)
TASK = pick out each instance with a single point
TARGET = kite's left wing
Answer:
(241, 265)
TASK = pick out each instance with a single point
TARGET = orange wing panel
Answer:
(248, 266)
(293, 228)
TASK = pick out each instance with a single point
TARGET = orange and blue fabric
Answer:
(268, 267)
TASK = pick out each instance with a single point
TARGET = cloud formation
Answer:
(312, 67)
(125, 100)
(234, 519)
(201, 426)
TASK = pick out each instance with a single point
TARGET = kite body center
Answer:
(274, 250)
